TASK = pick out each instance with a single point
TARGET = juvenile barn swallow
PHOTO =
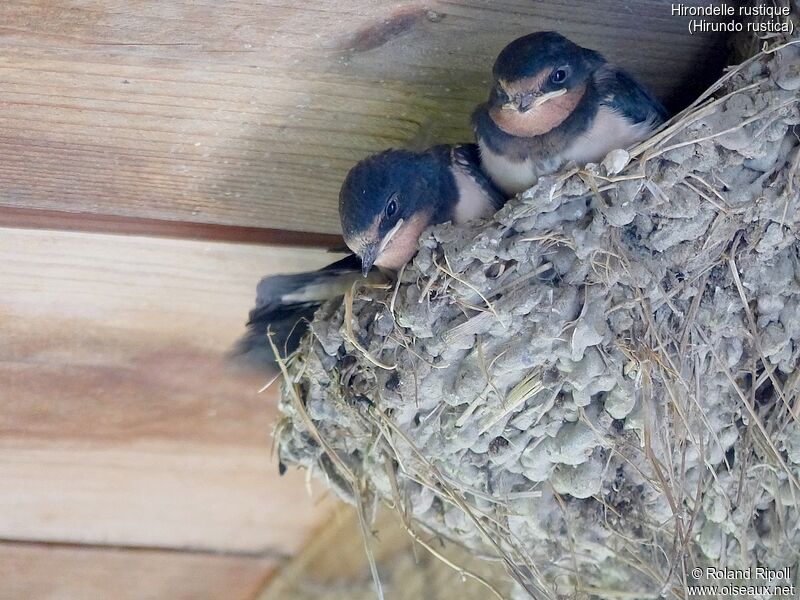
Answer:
(553, 102)
(389, 199)
(386, 202)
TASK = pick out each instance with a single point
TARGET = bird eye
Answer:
(559, 75)
(391, 207)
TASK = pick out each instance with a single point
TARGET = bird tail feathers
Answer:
(285, 306)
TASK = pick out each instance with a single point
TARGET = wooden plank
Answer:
(248, 113)
(179, 495)
(199, 292)
(41, 572)
(119, 420)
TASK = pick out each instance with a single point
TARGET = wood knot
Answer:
(399, 23)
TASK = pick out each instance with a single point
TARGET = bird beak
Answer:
(541, 99)
(368, 257)
(526, 101)
(373, 250)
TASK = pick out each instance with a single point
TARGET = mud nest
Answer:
(599, 386)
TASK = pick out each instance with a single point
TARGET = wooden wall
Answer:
(121, 426)
(157, 157)
(249, 113)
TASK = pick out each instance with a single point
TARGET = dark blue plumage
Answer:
(422, 174)
(553, 102)
(444, 183)
(285, 304)
(390, 198)
(531, 54)
(627, 96)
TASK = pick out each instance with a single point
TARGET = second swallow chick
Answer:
(389, 199)
(553, 102)
(386, 202)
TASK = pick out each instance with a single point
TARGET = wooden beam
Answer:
(71, 572)
(248, 114)
(120, 422)
(32, 218)
(155, 495)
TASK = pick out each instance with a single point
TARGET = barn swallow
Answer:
(386, 202)
(553, 102)
(389, 199)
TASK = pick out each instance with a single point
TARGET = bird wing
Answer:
(624, 95)
(467, 158)
(285, 304)
(277, 291)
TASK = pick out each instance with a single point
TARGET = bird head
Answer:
(539, 79)
(387, 200)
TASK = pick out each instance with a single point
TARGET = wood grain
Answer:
(120, 422)
(39, 572)
(155, 495)
(249, 113)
